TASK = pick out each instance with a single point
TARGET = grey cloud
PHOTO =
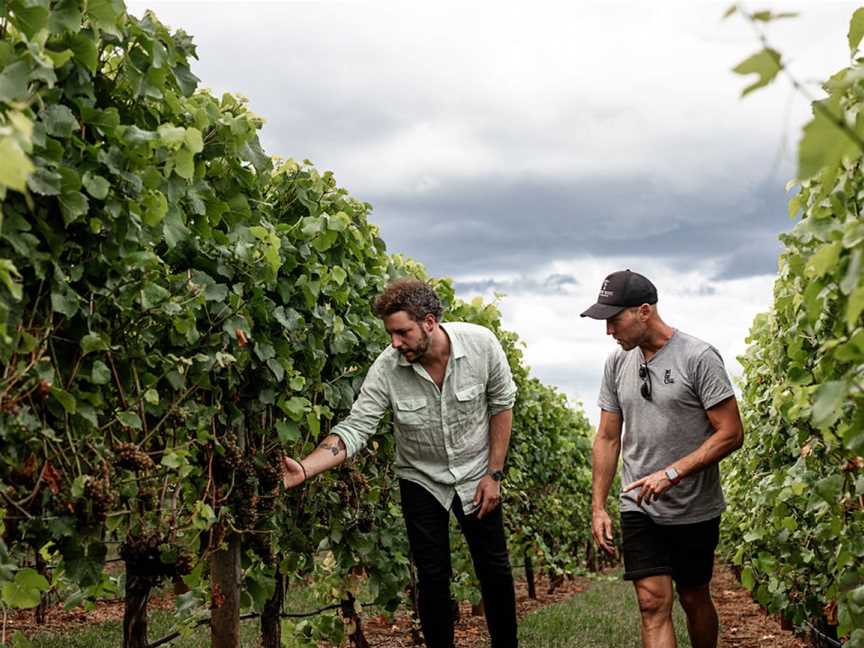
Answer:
(554, 284)
(495, 224)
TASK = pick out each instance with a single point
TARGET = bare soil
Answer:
(744, 623)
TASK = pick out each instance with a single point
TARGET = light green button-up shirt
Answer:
(442, 435)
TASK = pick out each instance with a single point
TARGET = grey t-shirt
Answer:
(687, 378)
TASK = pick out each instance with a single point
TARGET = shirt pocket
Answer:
(469, 401)
(411, 412)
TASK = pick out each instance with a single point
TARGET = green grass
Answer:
(605, 616)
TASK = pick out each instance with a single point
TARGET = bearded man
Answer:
(451, 393)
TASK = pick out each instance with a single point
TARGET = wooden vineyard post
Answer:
(271, 622)
(529, 575)
(349, 613)
(225, 575)
(138, 588)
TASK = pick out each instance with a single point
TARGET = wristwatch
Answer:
(497, 475)
(672, 475)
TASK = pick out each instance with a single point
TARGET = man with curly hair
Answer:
(451, 393)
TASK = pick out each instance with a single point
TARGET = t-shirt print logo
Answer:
(667, 377)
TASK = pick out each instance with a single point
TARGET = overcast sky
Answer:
(532, 149)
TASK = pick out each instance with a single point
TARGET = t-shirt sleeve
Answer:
(608, 399)
(710, 379)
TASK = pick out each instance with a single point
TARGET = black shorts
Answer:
(684, 551)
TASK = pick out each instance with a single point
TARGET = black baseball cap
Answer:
(621, 290)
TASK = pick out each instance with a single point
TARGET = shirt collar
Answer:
(457, 349)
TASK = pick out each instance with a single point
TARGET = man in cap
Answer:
(670, 394)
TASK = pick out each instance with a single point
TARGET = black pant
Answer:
(428, 534)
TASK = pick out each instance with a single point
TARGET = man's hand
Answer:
(601, 529)
(292, 473)
(487, 495)
(651, 487)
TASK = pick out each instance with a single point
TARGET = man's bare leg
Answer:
(702, 623)
(655, 597)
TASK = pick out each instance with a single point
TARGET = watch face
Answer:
(497, 475)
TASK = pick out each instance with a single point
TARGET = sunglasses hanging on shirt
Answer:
(645, 375)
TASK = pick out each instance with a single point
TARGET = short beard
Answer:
(422, 348)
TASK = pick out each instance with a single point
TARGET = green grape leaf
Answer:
(30, 17)
(824, 259)
(26, 590)
(766, 64)
(824, 143)
(15, 165)
(100, 374)
(93, 342)
(287, 431)
(13, 81)
(10, 277)
(83, 47)
(65, 17)
(856, 29)
(130, 419)
(65, 399)
(96, 185)
(184, 163)
(855, 307)
(59, 121)
(828, 401)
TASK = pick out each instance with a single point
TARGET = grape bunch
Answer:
(141, 552)
(244, 499)
(226, 462)
(102, 498)
(261, 544)
(268, 474)
(129, 456)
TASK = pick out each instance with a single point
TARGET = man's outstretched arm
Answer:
(330, 453)
(348, 437)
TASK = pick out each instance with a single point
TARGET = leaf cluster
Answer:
(795, 523)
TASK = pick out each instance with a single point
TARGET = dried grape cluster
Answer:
(262, 544)
(102, 498)
(244, 499)
(269, 475)
(224, 463)
(129, 456)
(143, 553)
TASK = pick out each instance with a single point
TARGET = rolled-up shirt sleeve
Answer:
(500, 388)
(366, 413)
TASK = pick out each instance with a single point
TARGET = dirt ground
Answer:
(744, 623)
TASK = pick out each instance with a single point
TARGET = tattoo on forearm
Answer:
(333, 446)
